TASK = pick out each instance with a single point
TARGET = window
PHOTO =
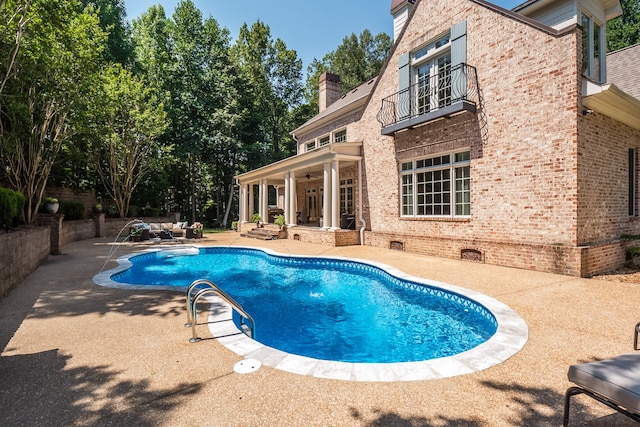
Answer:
(346, 196)
(311, 145)
(593, 63)
(340, 136)
(633, 177)
(432, 75)
(323, 141)
(437, 186)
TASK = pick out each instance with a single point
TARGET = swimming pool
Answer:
(336, 310)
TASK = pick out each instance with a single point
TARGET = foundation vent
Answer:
(396, 246)
(471, 255)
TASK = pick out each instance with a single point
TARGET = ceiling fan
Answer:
(309, 176)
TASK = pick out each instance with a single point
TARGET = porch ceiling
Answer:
(613, 102)
(311, 162)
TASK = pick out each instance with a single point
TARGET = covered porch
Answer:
(315, 191)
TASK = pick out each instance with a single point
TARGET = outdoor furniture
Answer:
(613, 382)
(191, 233)
(175, 230)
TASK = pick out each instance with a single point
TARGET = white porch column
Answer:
(327, 216)
(242, 214)
(264, 200)
(286, 208)
(293, 199)
(335, 195)
(251, 204)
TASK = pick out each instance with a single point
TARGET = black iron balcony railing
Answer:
(452, 90)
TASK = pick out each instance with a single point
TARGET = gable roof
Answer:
(622, 69)
(396, 4)
(350, 101)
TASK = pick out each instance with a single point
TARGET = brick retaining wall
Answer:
(21, 252)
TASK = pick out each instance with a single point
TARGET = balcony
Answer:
(450, 92)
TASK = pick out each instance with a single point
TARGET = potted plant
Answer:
(195, 231)
(234, 226)
(198, 229)
(135, 234)
(256, 218)
(51, 205)
(281, 223)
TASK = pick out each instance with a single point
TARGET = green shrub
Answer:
(152, 212)
(71, 209)
(11, 206)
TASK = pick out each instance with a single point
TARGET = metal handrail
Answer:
(458, 83)
(212, 288)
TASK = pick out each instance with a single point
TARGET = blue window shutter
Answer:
(403, 72)
(404, 78)
(458, 58)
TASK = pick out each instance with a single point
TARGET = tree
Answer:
(13, 20)
(356, 60)
(113, 21)
(133, 119)
(624, 30)
(272, 84)
(45, 101)
(187, 57)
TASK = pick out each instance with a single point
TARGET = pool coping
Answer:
(509, 338)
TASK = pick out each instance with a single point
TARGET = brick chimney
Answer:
(330, 90)
(400, 10)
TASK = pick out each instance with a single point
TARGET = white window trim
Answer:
(452, 166)
(590, 71)
(436, 52)
(320, 138)
(335, 132)
(310, 145)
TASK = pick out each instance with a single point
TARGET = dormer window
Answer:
(323, 141)
(593, 38)
(311, 145)
(340, 136)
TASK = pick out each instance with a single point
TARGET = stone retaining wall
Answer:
(21, 252)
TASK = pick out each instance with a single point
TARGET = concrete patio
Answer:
(75, 353)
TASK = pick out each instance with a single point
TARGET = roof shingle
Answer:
(622, 69)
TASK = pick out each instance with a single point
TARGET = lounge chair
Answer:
(614, 382)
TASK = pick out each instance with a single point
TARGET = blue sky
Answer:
(312, 28)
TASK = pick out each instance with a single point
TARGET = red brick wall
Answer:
(524, 145)
(603, 180)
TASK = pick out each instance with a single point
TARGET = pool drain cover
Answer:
(247, 366)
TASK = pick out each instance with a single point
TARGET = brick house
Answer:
(490, 135)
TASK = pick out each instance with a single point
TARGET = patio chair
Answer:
(613, 382)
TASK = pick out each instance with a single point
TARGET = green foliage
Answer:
(112, 16)
(279, 220)
(624, 30)
(633, 251)
(11, 205)
(72, 210)
(234, 225)
(132, 120)
(151, 212)
(356, 60)
(256, 218)
(46, 101)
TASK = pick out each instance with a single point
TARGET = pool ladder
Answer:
(202, 287)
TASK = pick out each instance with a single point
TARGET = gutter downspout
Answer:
(364, 222)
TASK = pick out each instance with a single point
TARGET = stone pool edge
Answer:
(509, 338)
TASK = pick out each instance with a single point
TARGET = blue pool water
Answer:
(325, 308)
